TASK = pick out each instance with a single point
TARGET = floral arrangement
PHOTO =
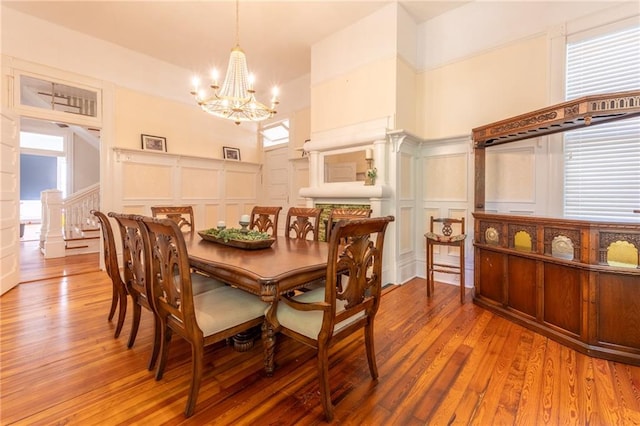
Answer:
(372, 173)
(237, 234)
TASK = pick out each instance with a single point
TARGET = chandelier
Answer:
(236, 99)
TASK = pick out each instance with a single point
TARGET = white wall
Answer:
(478, 27)
(136, 101)
(165, 88)
(86, 164)
(158, 94)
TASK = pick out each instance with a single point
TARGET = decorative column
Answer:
(381, 156)
(52, 244)
(315, 176)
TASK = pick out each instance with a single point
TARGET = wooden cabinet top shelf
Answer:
(570, 115)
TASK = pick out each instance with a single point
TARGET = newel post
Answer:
(52, 241)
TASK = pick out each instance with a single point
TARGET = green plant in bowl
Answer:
(237, 234)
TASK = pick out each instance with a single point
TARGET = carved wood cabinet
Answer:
(575, 281)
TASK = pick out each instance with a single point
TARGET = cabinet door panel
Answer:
(522, 285)
(492, 273)
(562, 297)
(619, 310)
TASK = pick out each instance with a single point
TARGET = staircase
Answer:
(68, 227)
(82, 240)
(81, 230)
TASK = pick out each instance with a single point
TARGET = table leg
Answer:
(243, 342)
(269, 345)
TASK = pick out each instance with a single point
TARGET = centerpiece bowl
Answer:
(248, 240)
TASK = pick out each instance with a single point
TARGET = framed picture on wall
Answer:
(231, 153)
(154, 143)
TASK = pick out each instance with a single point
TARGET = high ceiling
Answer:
(198, 35)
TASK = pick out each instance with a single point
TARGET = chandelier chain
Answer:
(237, 22)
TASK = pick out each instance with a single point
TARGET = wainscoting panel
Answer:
(208, 183)
(217, 189)
(147, 181)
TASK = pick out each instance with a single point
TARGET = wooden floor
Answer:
(34, 267)
(440, 363)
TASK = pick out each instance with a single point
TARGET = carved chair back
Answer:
(447, 225)
(181, 215)
(136, 276)
(265, 219)
(119, 289)
(344, 213)
(302, 221)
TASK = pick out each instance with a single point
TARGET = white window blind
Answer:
(602, 163)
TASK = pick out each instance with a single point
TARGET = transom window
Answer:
(275, 134)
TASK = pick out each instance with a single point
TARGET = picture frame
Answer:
(154, 143)
(231, 153)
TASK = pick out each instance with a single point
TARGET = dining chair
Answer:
(448, 238)
(265, 219)
(338, 214)
(137, 277)
(119, 289)
(323, 316)
(302, 221)
(201, 319)
(181, 215)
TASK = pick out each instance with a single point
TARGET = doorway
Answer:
(275, 183)
(43, 99)
(53, 155)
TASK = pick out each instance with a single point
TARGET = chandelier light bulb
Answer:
(214, 77)
(195, 81)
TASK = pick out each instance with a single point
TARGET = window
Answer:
(41, 141)
(275, 134)
(602, 164)
(43, 165)
(50, 95)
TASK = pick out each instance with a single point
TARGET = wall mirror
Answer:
(345, 167)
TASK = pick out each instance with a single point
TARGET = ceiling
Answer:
(198, 35)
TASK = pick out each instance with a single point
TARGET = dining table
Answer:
(288, 264)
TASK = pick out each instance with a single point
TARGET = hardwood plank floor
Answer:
(440, 363)
(34, 267)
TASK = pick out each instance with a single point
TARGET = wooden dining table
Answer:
(286, 265)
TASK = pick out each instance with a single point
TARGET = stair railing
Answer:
(67, 217)
(77, 210)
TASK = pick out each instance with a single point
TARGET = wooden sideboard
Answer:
(561, 285)
(556, 275)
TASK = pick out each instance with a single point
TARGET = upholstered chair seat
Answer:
(309, 323)
(201, 283)
(444, 238)
(218, 309)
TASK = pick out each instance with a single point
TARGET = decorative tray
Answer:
(252, 240)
